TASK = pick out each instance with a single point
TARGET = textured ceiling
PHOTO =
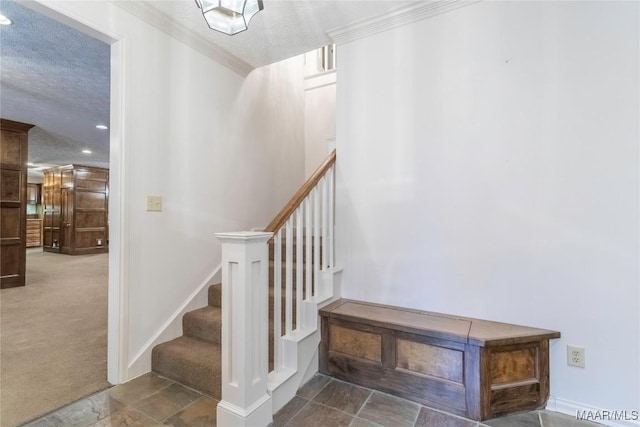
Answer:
(285, 28)
(56, 78)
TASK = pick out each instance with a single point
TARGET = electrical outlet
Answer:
(575, 356)
(154, 203)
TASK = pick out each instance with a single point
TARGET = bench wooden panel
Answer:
(471, 367)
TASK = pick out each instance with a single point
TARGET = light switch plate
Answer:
(154, 203)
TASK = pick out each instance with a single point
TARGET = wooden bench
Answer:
(470, 367)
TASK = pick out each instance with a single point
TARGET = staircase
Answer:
(300, 263)
(194, 358)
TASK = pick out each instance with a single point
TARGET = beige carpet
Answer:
(53, 335)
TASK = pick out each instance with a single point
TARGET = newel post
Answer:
(245, 330)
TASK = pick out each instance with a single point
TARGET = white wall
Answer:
(319, 111)
(320, 118)
(224, 152)
(488, 166)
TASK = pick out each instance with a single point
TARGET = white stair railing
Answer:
(299, 281)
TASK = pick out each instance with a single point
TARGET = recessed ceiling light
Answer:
(86, 151)
(102, 127)
(4, 20)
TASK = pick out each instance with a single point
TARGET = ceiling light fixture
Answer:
(102, 127)
(4, 20)
(87, 151)
(229, 16)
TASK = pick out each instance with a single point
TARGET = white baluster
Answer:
(332, 183)
(308, 233)
(277, 299)
(299, 266)
(316, 241)
(325, 220)
(288, 301)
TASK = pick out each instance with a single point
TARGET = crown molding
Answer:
(179, 32)
(399, 17)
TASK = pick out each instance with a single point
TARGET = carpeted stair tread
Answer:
(189, 361)
(215, 295)
(204, 323)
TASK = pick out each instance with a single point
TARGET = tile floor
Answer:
(324, 401)
(152, 400)
(147, 401)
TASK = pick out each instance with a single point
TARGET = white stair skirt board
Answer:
(172, 328)
(614, 417)
(300, 348)
(284, 384)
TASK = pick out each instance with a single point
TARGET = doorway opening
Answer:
(55, 330)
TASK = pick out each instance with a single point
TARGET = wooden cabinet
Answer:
(76, 202)
(13, 195)
(34, 233)
(474, 368)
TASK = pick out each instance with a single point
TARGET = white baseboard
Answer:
(172, 328)
(616, 417)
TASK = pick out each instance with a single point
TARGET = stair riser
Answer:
(194, 358)
(201, 378)
(294, 276)
(294, 256)
(215, 296)
(205, 331)
(294, 250)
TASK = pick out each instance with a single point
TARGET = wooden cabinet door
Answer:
(13, 194)
(66, 220)
(51, 211)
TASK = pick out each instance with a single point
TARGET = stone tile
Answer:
(288, 411)
(343, 396)
(167, 401)
(41, 422)
(314, 415)
(555, 419)
(313, 386)
(429, 417)
(525, 419)
(389, 410)
(202, 413)
(86, 411)
(139, 388)
(361, 422)
(127, 417)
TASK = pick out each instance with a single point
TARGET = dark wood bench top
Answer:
(483, 333)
